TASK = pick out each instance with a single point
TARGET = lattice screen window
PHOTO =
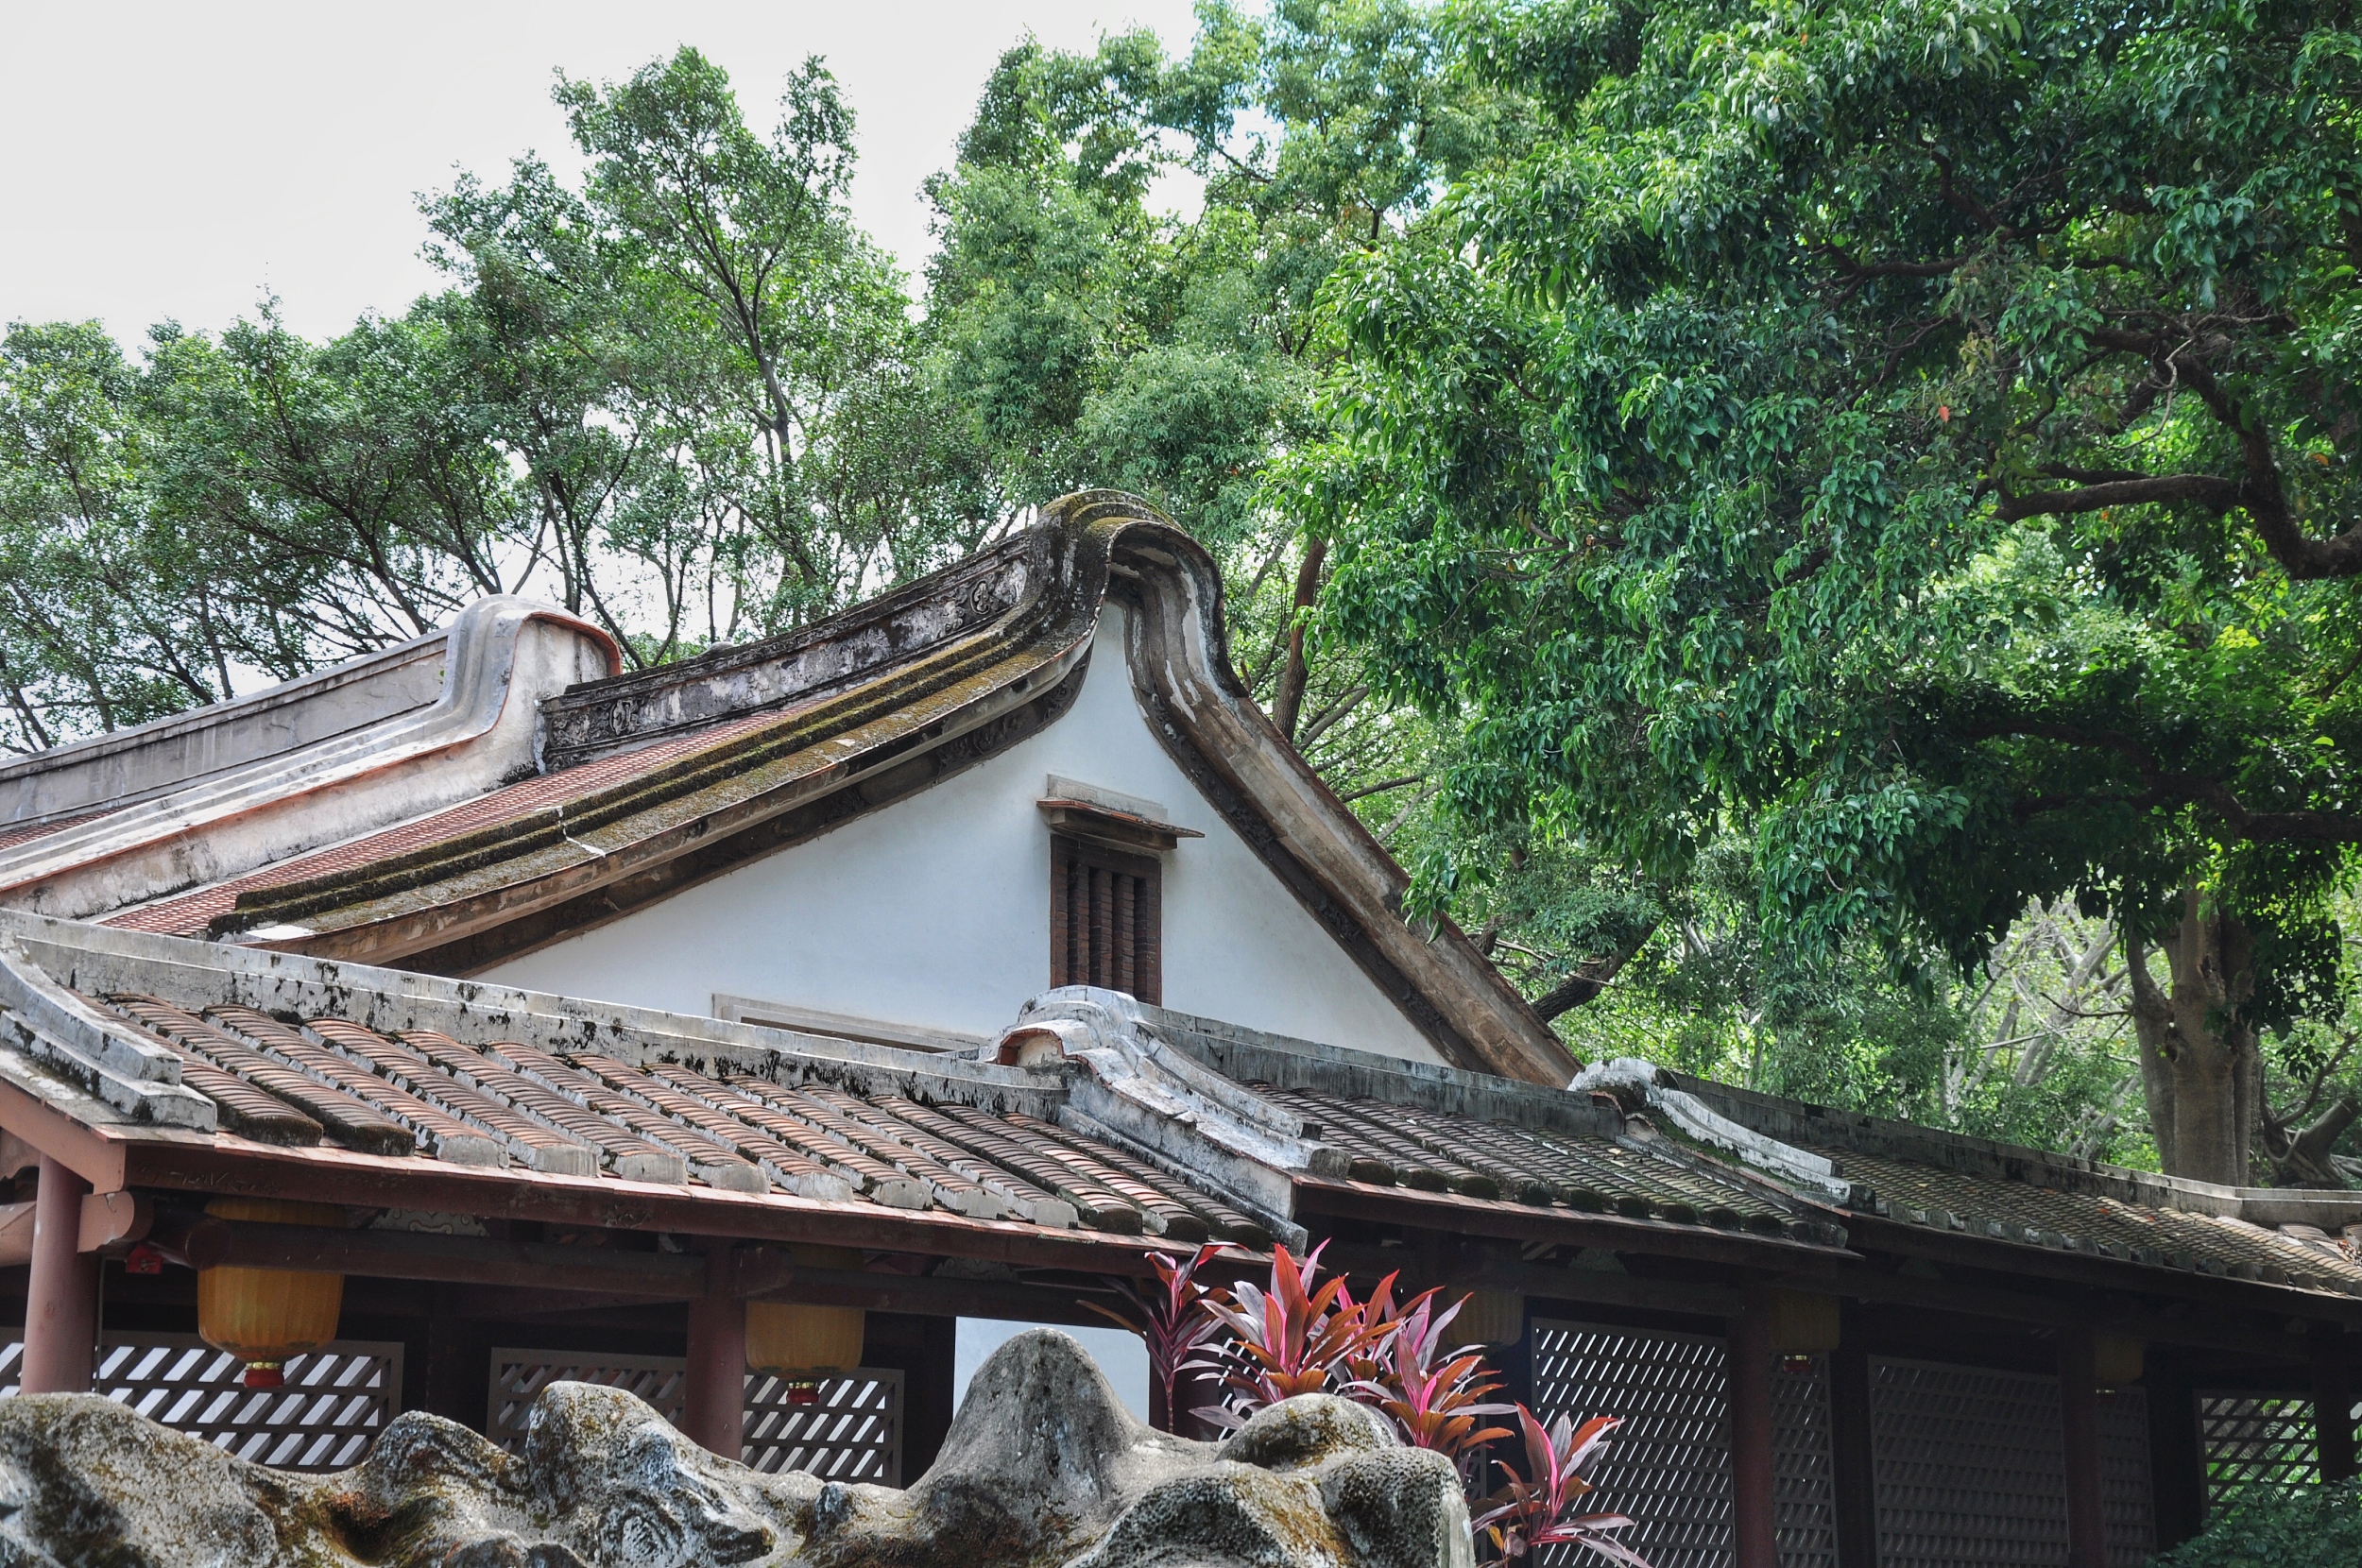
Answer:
(1970, 1467)
(1105, 918)
(2126, 1498)
(851, 1432)
(335, 1403)
(1669, 1465)
(1804, 1475)
(2255, 1440)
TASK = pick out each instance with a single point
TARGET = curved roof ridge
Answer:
(699, 766)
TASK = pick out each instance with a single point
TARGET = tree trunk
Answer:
(1289, 701)
(2200, 1070)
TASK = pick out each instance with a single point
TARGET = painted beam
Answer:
(363, 1180)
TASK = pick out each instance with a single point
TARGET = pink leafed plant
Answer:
(1534, 1510)
(1296, 1337)
(1172, 1318)
(1437, 1398)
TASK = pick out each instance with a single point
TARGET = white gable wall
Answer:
(936, 911)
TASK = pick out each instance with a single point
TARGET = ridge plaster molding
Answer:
(1801, 1168)
(1758, 1127)
(137, 1077)
(390, 762)
(1124, 1084)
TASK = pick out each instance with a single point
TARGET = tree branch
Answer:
(2174, 784)
(2206, 489)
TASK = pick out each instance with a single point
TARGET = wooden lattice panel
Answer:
(2255, 1440)
(1804, 1475)
(851, 1432)
(1970, 1467)
(1669, 1465)
(2126, 1497)
(335, 1403)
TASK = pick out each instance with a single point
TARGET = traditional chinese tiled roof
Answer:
(653, 781)
(163, 1064)
(2096, 1224)
(552, 802)
(13, 834)
(591, 1114)
(1439, 1151)
(205, 797)
(1979, 1199)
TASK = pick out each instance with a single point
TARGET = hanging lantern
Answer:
(1803, 1323)
(264, 1315)
(1490, 1317)
(2116, 1359)
(798, 1340)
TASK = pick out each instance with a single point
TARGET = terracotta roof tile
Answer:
(2032, 1215)
(27, 832)
(621, 1147)
(250, 1112)
(350, 1120)
(193, 913)
(1436, 1151)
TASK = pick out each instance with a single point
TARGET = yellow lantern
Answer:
(796, 1338)
(1490, 1317)
(2116, 1359)
(264, 1315)
(1802, 1321)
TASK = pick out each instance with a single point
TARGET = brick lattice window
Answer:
(1105, 918)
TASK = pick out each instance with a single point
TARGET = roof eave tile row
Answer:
(422, 1093)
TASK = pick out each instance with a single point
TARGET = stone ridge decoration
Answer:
(589, 720)
(1042, 1466)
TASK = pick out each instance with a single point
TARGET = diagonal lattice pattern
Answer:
(1804, 1476)
(1970, 1467)
(335, 1400)
(851, 1432)
(1669, 1465)
(2126, 1495)
(2254, 1441)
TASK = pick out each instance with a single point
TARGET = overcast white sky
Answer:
(184, 160)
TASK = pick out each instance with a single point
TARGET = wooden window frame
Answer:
(1088, 942)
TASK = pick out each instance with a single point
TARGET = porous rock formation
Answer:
(1043, 1466)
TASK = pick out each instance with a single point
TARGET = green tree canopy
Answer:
(1925, 433)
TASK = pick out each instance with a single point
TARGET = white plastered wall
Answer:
(936, 911)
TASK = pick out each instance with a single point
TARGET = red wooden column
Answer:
(2079, 1422)
(61, 1304)
(1752, 1517)
(2333, 1402)
(713, 1392)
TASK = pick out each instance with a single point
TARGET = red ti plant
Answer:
(1534, 1513)
(1172, 1318)
(1294, 1339)
(1437, 1398)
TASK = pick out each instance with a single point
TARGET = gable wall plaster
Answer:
(936, 911)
